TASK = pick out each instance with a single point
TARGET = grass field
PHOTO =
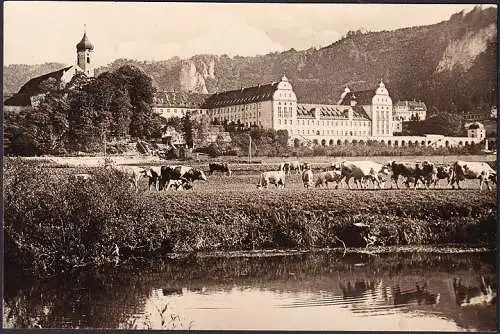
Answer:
(53, 223)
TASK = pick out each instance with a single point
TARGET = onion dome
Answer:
(84, 44)
(381, 90)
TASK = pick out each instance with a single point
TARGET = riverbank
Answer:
(54, 224)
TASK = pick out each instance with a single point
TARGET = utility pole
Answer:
(249, 149)
(104, 139)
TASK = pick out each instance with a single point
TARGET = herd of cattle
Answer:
(363, 172)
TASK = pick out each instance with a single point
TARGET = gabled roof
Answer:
(32, 87)
(179, 99)
(241, 96)
(362, 97)
(330, 111)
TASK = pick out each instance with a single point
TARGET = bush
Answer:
(54, 224)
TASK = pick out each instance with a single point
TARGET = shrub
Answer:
(55, 224)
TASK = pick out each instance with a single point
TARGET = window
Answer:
(279, 121)
(88, 60)
(285, 121)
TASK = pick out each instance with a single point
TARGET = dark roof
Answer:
(330, 111)
(362, 97)
(474, 126)
(241, 96)
(360, 112)
(32, 87)
(84, 44)
(179, 99)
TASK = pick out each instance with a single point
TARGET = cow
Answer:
(295, 166)
(80, 176)
(474, 295)
(184, 173)
(132, 173)
(153, 174)
(329, 176)
(272, 177)
(224, 167)
(473, 170)
(285, 166)
(413, 172)
(443, 172)
(178, 184)
(307, 178)
(361, 171)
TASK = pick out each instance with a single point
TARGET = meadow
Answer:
(54, 224)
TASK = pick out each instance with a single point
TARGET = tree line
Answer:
(77, 116)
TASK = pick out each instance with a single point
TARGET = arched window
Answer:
(339, 142)
(323, 142)
(331, 142)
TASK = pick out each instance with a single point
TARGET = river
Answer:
(321, 290)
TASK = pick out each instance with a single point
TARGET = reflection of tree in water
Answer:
(81, 301)
(109, 297)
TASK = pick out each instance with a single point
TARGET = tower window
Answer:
(88, 60)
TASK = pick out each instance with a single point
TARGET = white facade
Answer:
(476, 130)
(381, 112)
(167, 111)
(405, 111)
(275, 106)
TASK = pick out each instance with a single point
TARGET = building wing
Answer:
(241, 96)
(166, 99)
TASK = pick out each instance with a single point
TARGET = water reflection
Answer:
(408, 291)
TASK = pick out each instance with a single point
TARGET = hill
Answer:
(450, 65)
(16, 75)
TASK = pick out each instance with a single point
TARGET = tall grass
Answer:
(54, 224)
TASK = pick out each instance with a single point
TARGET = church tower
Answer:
(84, 57)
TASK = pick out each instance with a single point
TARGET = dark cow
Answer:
(153, 174)
(442, 173)
(473, 170)
(413, 172)
(219, 167)
(307, 178)
(184, 173)
(285, 167)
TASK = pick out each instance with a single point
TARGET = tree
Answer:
(187, 129)
(140, 90)
(282, 137)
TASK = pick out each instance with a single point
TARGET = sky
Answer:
(39, 32)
